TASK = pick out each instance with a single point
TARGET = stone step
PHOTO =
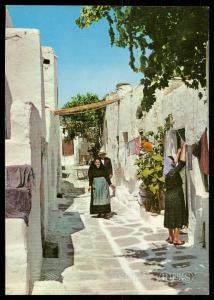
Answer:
(49, 287)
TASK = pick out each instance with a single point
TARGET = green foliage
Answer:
(174, 36)
(87, 124)
(150, 163)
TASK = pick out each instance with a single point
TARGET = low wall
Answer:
(17, 265)
(25, 142)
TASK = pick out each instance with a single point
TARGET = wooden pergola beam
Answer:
(86, 107)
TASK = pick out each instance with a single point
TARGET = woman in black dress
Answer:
(99, 183)
(175, 215)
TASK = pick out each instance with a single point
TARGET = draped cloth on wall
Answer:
(18, 203)
(201, 151)
(170, 146)
(19, 181)
(189, 157)
(204, 157)
(170, 143)
(134, 146)
(19, 176)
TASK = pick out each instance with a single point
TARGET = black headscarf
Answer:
(93, 166)
(98, 172)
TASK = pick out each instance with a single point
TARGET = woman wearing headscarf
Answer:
(99, 183)
(175, 215)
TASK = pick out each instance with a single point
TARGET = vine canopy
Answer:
(163, 41)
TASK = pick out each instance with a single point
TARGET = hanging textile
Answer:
(189, 157)
(19, 181)
(170, 144)
(200, 150)
(132, 147)
(204, 159)
(135, 146)
(196, 149)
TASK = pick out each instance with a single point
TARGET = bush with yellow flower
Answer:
(150, 165)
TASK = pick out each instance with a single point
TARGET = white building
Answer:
(121, 128)
(32, 138)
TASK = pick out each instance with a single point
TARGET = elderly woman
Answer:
(99, 183)
(175, 216)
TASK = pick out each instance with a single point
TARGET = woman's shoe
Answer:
(106, 216)
(168, 240)
(178, 243)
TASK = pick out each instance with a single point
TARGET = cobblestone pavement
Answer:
(124, 255)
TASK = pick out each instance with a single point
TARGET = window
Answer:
(46, 61)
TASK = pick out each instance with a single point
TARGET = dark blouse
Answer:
(98, 172)
(173, 178)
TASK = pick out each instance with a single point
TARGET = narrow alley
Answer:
(123, 255)
(131, 146)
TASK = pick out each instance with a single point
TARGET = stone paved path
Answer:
(125, 255)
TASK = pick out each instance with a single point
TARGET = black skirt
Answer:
(96, 209)
(100, 197)
(175, 215)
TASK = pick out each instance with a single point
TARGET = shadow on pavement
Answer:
(58, 250)
(176, 267)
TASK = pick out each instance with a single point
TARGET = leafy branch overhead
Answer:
(163, 41)
(88, 124)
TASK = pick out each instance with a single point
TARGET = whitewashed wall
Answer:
(8, 23)
(24, 69)
(188, 112)
(191, 113)
(8, 96)
(25, 142)
(24, 73)
(121, 117)
(33, 134)
(51, 161)
(80, 148)
(17, 266)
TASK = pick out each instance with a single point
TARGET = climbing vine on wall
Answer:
(163, 42)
